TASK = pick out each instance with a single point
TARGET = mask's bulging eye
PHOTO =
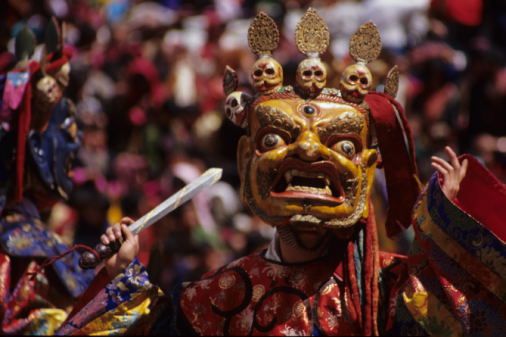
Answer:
(271, 141)
(345, 147)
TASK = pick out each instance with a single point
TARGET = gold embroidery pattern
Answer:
(226, 282)
(258, 292)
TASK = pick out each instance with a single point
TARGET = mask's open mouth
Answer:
(318, 181)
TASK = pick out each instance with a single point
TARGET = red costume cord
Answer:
(25, 116)
(53, 259)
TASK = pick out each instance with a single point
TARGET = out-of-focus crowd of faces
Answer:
(146, 79)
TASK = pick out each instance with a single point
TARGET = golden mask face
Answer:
(306, 162)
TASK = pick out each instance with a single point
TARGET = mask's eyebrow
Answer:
(270, 116)
(347, 122)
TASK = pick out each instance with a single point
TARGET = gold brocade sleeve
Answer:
(457, 278)
(125, 304)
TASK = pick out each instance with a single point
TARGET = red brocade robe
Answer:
(453, 283)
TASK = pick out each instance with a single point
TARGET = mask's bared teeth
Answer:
(288, 177)
(308, 189)
(327, 190)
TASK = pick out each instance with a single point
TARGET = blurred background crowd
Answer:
(146, 80)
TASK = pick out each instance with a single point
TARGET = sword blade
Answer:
(208, 178)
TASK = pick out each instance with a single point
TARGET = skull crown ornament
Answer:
(356, 81)
(235, 105)
(267, 75)
(307, 158)
(312, 38)
(311, 76)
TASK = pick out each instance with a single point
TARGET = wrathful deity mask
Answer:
(307, 163)
(308, 158)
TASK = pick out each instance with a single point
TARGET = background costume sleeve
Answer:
(457, 279)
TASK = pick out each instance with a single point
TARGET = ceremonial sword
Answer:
(89, 260)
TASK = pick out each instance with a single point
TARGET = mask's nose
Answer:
(309, 147)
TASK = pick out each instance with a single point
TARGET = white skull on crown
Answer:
(236, 108)
(311, 76)
(267, 75)
(356, 81)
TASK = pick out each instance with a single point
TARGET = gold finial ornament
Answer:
(392, 82)
(312, 34)
(356, 79)
(263, 35)
(365, 43)
(263, 39)
(312, 38)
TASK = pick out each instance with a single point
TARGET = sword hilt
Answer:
(89, 260)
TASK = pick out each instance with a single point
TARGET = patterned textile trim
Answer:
(392, 277)
(5, 272)
(428, 311)
(404, 324)
(118, 320)
(23, 310)
(473, 236)
(124, 287)
(28, 238)
(474, 266)
(452, 280)
(45, 321)
(26, 311)
(480, 312)
(13, 321)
